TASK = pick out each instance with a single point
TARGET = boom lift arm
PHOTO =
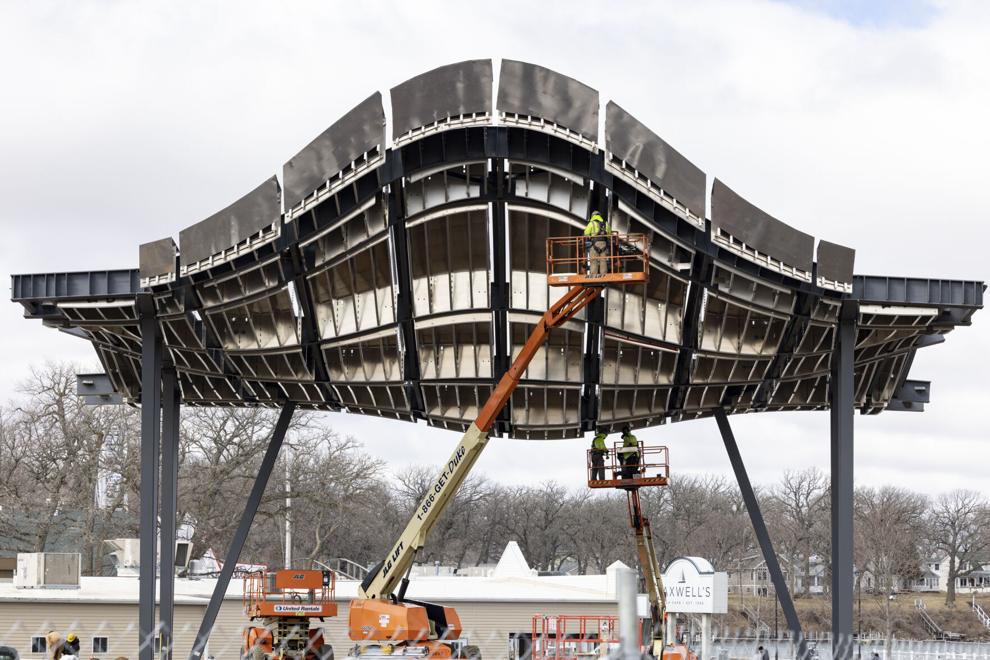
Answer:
(651, 468)
(651, 569)
(387, 621)
(383, 579)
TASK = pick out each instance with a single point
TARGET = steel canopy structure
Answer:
(401, 276)
(397, 276)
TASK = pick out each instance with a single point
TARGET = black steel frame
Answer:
(956, 302)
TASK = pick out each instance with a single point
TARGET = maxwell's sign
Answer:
(690, 584)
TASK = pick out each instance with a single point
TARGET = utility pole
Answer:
(288, 507)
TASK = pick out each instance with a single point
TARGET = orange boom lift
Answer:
(382, 620)
(652, 469)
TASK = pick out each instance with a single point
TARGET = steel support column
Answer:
(841, 391)
(762, 535)
(500, 291)
(595, 320)
(170, 481)
(151, 402)
(243, 527)
(404, 299)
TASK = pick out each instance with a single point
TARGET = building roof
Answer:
(566, 588)
(368, 287)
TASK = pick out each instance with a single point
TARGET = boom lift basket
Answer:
(625, 259)
(652, 468)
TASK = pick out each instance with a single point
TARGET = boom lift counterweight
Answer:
(387, 622)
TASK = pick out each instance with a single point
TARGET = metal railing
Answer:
(348, 568)
(650, 467)
(264, 592)
(569, 637)
(618, 256)
(981, 613)
(762, 628)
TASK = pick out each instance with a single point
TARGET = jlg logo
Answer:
(391, 561)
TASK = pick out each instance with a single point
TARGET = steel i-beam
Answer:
(151, 371)
(841, 392)
(169, 495)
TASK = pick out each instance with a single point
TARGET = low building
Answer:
(103, 611)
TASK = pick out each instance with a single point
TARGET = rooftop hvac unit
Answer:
(183, 553)
(126, 555)
(48, 570)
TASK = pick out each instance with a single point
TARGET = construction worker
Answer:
(71, 645)
(630, 453)
(598, 451)
(596, 233)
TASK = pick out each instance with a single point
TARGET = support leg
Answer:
(842, 409)
(706, 637)
(760, 528)
(151, 371)
(170, 477)
(243, 527)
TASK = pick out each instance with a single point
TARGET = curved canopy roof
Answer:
(396, 277)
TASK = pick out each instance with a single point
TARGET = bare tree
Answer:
(538, 524)
(335, 484)
(959, 529)
(55, 455)
(799, 508)
(601, 532)
(889, 533)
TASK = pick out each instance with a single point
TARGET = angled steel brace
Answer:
(243, 527)
(762, 535)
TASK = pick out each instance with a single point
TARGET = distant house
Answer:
(977, 578)
(928, 580)
(933, 576)
(751, 576)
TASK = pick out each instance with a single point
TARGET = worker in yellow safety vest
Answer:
(597, 237)
(630, 453)
(598, 451)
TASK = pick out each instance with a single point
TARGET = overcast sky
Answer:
(863, 123)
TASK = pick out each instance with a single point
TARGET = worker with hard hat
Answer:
(596, 234)
(71, 645)
(630, 453)
(598, 451)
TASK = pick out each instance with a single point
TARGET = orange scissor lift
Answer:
(280, 605)
(572, 637)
